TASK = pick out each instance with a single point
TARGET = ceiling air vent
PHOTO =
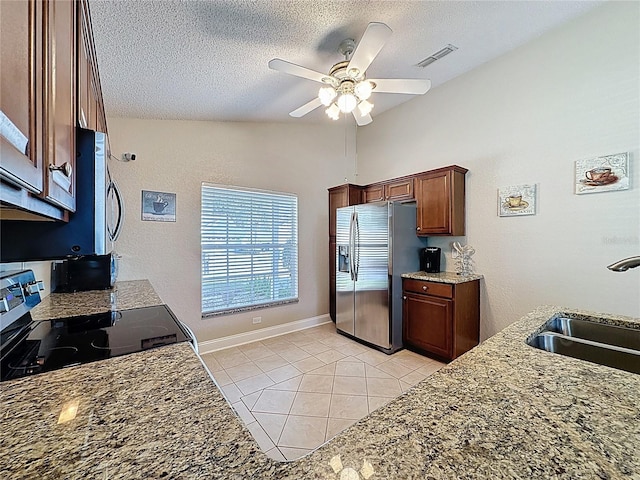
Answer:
(437, 56)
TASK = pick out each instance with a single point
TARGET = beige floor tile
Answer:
(345, 368)
(283, 373)
(232, 393)
(413, 378)
(303, 432)
(409, 359)
(405, 386)
(264, 442)
(290, 385)
(212, 364)
(373, 357)
(393, 368)
(431, 367)
(348, 406)
(329, 369)
(271, 362)
(293, 353)
(230, 357)
(337, 425)
(314, 348)
(383, 387)
(221, 378)
(276, 455)
(311, 404)
(274, 401)
(293, 453)
(349, 385)
(255, 350)
(316, 383)
(377, 402)
(308, 364)
(243, 412)
(254, 384)
(243, 371)
(353, 349)
(330, 356)
(372, 372)
(272, 423)
(250, 400)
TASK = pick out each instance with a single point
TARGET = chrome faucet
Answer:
(625, 264)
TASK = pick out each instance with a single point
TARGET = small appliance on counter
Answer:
(430, 259)
(86, 272)
(29, 347)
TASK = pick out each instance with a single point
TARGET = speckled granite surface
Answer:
(442, 277)
(503, 410)
(123, 296)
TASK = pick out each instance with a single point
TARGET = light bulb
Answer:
(365, 107)
(333, 112)
(326, 95)
(347, 102)
(363, 89)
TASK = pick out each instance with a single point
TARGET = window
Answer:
(249, 244)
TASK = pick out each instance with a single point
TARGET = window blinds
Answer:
(249, 244)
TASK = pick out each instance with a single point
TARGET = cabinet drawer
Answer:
(428, 288)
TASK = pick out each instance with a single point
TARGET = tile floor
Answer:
(296, 391)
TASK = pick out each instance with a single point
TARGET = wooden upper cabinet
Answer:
(440, 199)
(21, 151)
(60, 151)
(342, 196)
(400, 189)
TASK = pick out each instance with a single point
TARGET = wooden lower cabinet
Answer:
(442, 320)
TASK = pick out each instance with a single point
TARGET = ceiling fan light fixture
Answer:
(363, 89)
(333, 112)
(347, 102)
(365, 107)
(326, 95)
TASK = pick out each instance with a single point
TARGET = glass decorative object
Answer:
(464, 264)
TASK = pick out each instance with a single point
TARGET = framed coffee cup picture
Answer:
(158, 206)
(602, 174)
(517, 200)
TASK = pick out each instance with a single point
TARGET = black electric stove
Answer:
(30, 347)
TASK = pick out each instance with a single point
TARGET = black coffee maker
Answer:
(430, 259)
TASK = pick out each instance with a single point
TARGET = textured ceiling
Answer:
(207, 60)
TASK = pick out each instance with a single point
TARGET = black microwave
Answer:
(86, 272)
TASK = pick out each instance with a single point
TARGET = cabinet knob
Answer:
(425, 288)
(65, 168)
(418, 228)
(404, 297)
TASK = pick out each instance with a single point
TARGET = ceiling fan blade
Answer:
(410, 86)
(370, 44)
(293, 69)
(362, 120)
(306, 108)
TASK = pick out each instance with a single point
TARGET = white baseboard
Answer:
(209, 346)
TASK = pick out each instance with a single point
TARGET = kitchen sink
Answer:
(611, 345)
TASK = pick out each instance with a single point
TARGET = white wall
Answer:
(176, 156)
(525, 118)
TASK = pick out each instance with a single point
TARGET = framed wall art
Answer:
(158, 206)
(602, 174)
(517, 200)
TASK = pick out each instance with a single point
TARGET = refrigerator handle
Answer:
(351, 242)
(356, 247)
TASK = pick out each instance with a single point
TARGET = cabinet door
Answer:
(434, 203)
(332, 278)
(428, 323)
(373, 193)
(21, 94)
(399, 190)
(60, 103)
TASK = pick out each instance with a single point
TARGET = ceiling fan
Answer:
(346, 89)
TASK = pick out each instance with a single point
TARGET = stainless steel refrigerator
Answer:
(375, 243)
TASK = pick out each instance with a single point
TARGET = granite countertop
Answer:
(442, 277)
(502, 410)
(123, 296)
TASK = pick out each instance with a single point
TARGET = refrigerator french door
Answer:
(375, 243)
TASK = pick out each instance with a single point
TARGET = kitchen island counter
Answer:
(503, 410)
